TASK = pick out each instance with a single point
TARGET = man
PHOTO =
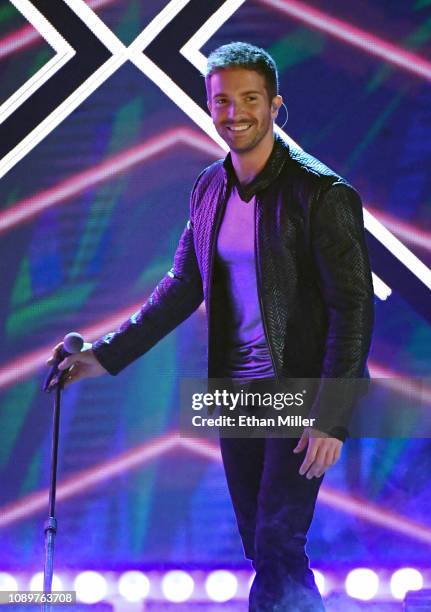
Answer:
(275, 246)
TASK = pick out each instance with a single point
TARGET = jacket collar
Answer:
(277, 159)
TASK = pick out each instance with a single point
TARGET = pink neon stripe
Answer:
(86, 479)
(372, 513)
(402, 384)
(26, 36)
(379, 371)
(336, 499)
(27, 208)
(355, 36)
(366, 41)
(20, 368)
(359, 507)
(408, 232)
(202, 447)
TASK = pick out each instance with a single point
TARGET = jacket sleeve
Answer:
(341, 258)
(175, 298)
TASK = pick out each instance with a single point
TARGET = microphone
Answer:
(72, 344)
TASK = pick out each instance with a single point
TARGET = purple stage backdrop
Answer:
(103, 130)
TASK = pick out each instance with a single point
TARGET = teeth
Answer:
(239, 128)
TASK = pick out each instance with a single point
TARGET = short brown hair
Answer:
(245, 55)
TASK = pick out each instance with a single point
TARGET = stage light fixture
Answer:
(362, 583)
(177, 586)
(36, 582)
(7, 582)
(221, 585)
(134, 586)
(405, 579)
(90, 587)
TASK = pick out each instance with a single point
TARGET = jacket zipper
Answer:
(262, 314)
(219, 215)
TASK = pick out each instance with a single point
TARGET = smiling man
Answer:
(275, 246)
(243, 107)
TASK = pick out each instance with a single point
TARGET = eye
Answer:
(220, 101)
(251, 98)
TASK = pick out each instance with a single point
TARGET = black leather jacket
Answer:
(313, 272)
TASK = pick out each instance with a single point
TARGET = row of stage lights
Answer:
(217, 586)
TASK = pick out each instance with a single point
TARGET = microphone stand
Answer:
(50, 526)
(72, 343)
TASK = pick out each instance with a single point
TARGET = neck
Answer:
(248, 164)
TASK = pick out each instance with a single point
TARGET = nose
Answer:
(234, 109)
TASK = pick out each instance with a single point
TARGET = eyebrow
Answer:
(245, 93)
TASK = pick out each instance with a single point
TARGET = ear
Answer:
(209, 105)
(276, 103)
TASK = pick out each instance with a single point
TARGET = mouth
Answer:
(239, 129)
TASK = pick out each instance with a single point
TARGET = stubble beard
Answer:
(252, 144)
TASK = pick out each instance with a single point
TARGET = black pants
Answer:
(274, 507)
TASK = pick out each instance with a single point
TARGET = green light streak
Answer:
(139, 507)
(31, 480)
(420, 36)
(14, 409)
(418, 345)
(35, 316)
(125, 128)
(296, 48)
(372, 133)
(152, 273)
(149, 418)
(412, 42)
(41, 58)
(7, 12)
(420, 4)
(130, 25)
(386, 464)
(21, 291)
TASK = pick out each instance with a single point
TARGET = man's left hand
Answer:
(322, 452)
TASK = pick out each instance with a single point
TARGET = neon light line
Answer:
(381, 289)
(27, 36)
(202, 447)
(88, 478)
(397, 248)
(408, 232)
(64, 52)
(28, 207)
(191, 50)
(85, 479)
(372, 513)
(410, 387)
(118, 57)
(371, 44)
(26, 365)
(350, 504)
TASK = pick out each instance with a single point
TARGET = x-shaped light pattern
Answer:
(88, 478)
(121, 54)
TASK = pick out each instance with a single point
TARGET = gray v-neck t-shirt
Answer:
(248, 353)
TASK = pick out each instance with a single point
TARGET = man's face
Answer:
(240, 107)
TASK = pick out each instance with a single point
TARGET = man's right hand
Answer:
(82, 365)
